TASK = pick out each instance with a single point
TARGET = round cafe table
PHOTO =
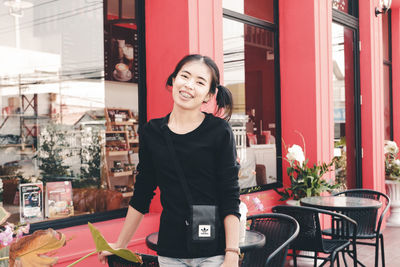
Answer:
(253, 240)
(362, 210)
(340, 203)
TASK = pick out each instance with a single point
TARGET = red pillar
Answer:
(306, 81)
(306, 76)
(372, 108)
(396, 72)
(173, 30)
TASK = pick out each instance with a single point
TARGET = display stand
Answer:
(121, 143)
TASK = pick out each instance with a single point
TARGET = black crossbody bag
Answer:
(202, 223)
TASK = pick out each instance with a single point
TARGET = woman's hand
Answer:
(102, 256)
(231, 260)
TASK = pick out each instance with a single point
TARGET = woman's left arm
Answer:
(231, 223)
(228, 193)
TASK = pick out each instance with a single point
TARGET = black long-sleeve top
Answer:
(208, 158)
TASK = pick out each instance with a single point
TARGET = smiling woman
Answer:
(192, 152)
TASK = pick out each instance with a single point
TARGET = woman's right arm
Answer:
(139, 204)
(132, 221)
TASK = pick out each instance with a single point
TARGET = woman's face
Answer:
(191, 86)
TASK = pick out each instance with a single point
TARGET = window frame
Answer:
(352, 22)
(142, 109)
(274, 27)
(389, 64)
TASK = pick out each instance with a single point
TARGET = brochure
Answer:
(59, 199)
(31, 202)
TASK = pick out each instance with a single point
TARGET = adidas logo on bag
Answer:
(204, 230)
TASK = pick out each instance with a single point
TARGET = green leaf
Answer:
(102, 245)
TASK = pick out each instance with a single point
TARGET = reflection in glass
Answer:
(387, 100)
(343, 98)
(52, 99)
(249, 74)
(263, 10)
(341, 5)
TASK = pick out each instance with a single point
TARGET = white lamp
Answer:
(384, 5)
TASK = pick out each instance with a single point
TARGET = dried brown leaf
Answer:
(30, 249)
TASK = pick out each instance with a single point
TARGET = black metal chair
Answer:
(280, 230)
(368, 226)
(148, 261)
(310, 237)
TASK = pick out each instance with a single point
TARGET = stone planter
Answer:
(393, 190)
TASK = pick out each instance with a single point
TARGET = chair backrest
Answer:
(310, 235)
(367, 218)
(280, 230)
(148, 261)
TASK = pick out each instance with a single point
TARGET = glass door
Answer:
(345, 104)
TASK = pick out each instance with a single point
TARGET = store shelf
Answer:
(134, 141)
(117, 153)
(121, 123)
(127, 194)
(120, 174)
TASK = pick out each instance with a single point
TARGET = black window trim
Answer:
(274, 27)
(142, 108)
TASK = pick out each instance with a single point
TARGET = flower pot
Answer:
(292, 202)
(393, 190)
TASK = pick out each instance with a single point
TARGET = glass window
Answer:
(385, 36)
(387, 75)
(249, 73)
(341, 5)
(343, 99)
(60, 116)
(387, 102)
(261, 9)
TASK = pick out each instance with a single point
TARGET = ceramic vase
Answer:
(393, 190)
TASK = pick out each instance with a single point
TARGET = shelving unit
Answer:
(121, 143)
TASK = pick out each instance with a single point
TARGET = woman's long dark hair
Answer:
(224, 96)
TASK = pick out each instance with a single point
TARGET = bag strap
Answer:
(177, 165)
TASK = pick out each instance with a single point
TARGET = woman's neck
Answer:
(182, 121)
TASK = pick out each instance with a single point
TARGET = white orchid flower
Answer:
(295, 153)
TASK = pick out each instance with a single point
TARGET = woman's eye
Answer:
(184, 76)
(201, 83)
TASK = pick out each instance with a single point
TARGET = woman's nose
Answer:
(190, 84)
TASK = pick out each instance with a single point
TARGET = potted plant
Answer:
(392, 181)
(305, 181)
(51, 153)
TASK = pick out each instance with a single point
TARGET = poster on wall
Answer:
(120, 53)
(31, 202)
(58, 199)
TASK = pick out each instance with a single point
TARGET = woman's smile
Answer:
(186, 94)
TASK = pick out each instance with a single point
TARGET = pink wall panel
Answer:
(167, 41)
(396, 72)
(372, 95)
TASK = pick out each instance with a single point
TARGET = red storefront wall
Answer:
(396, 68)
(175, 28)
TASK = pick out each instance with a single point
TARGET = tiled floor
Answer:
(367, 254)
